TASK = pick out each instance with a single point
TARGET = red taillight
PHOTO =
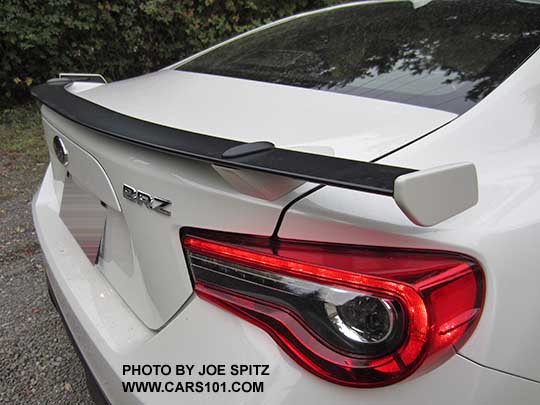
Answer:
(358, 316)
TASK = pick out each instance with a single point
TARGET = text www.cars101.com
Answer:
(193, 386)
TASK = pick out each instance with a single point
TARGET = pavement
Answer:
(38, 365)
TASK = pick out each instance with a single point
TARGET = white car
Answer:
(339, 207)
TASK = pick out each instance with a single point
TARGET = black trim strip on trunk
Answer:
(350, 174)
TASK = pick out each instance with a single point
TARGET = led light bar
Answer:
(357, 316)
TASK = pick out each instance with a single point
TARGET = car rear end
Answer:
(181, 279)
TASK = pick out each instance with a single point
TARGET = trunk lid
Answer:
(290, 117)
(140, 253)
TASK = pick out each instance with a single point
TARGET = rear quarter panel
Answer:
(501, 136)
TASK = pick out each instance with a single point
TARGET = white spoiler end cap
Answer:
(431, 196)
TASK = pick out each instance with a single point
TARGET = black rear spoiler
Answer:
(258, 156)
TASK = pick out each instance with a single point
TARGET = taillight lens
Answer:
(354, 315)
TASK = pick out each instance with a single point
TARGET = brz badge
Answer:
(140, 197)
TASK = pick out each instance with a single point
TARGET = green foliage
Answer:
(123, 38)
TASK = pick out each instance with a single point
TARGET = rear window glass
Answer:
(446, 54)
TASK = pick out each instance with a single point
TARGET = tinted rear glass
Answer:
(447, 54)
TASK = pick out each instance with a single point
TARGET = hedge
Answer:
(119, 39)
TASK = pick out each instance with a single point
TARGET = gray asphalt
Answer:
(37, 362)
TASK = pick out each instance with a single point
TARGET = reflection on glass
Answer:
(446, 55)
